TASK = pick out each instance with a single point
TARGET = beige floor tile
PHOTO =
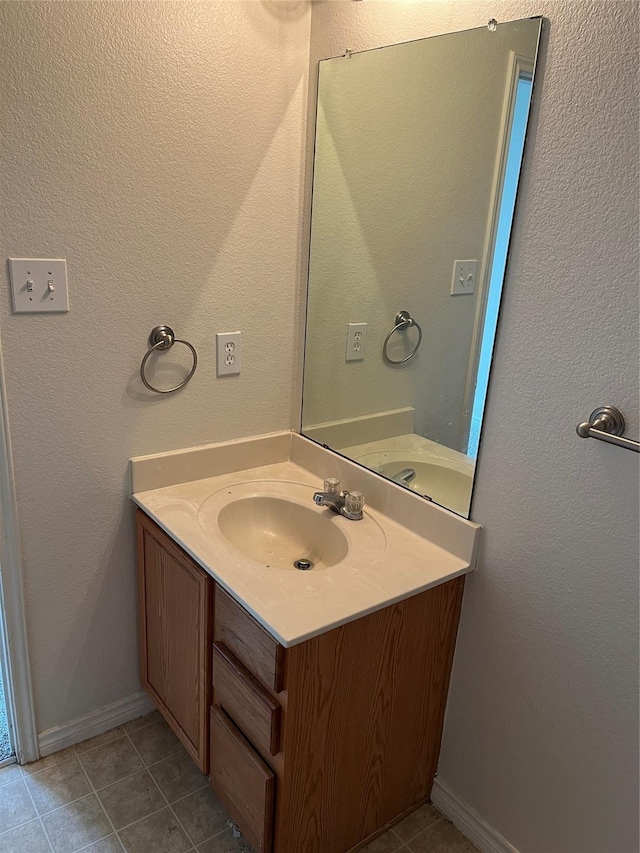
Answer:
(50, 760)
(160, 833)
(76, 825)
(416, 822)
(107, 845)
(131, 799)
(111, 762)
(100, 740)
(58, 785)
(155, 742)
(29, 838)
(15, 805)
(225, 843)
(140, 722)
(10, 773)
(442, 837)
(387, 843)
(178, 776)
(202, 815)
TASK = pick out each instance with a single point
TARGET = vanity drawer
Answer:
(245, 701)
(254, 647)
(242, 781)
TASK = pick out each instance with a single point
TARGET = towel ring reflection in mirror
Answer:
(162, 339)
(404, 321)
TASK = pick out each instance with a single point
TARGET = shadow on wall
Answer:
(111, 580)
(170, 150)
(244, 247)
(287, 10)
(125, 142)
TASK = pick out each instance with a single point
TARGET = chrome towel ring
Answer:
(404, 320)
(162, 339)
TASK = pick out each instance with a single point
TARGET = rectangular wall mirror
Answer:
(418, 152)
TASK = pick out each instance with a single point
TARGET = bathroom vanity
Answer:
(315, 699)
(303, 658)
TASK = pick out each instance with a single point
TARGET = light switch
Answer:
(38, 285)
(464, 277)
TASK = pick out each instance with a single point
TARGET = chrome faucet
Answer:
(348, 504)
(405, 476)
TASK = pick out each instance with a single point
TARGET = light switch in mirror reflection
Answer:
(418, 153)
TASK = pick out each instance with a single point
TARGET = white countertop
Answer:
(411, 443)
(387, 562)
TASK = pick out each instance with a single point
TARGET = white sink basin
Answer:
(444, 481)
(431, 479)
(276, 523)
(279, 532)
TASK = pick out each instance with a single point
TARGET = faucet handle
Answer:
(354, 502)
(332, 486)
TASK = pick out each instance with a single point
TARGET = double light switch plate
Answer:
(38, 285)
(464, 277)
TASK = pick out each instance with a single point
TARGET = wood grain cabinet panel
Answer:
(239, 632)
(175, 622)
(365, 709)
(245, 701)
(242, 781)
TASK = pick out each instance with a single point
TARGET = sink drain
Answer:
(303, 565)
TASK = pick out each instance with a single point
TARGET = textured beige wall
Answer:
(171, 182)
(541, 738)
(158, 147)
(405, 156)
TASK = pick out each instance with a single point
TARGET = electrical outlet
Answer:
(464, 277)
(228, 353)
(356, 337)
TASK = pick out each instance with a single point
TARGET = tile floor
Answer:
(134, 789)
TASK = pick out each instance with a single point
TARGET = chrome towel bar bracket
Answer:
(607, 424)
(162, 339)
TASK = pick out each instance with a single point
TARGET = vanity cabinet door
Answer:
(175, 616)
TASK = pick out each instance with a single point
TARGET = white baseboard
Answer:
(468, 821)
(94, 723)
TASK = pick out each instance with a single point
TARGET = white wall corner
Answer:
(468, 821)
(95, 723)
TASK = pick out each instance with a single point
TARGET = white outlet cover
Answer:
(39, 285)
(228, 353)
(356, 339)
(464, 276)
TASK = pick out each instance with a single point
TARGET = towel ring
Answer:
(162, 338)
(404, 320)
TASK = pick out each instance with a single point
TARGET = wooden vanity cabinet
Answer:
(361, 715)
(317, 748)
(175, 606)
